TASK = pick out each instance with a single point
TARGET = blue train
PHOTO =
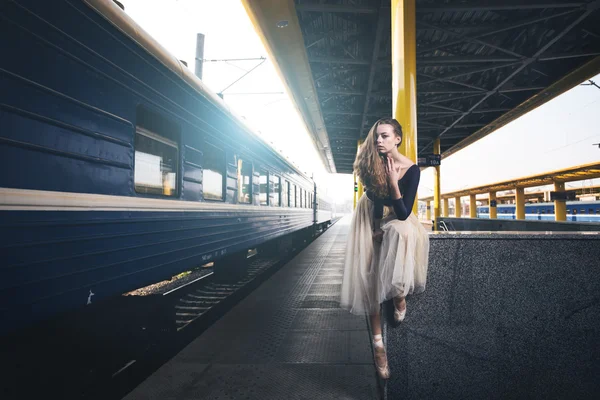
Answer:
(582, 211)
(118, 167)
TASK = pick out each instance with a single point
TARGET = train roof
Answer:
(117, 17)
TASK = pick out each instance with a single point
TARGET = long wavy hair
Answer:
(368, 164)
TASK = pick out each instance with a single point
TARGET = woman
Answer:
(387, 252)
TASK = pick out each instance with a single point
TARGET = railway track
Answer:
(104, 351)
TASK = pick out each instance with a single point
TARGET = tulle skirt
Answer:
(376, 272)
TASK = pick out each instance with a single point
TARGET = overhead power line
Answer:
(234, 59)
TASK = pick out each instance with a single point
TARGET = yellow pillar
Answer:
(457, 207)
(428, 211)
(361, 189)
(404, 75)
(446, 207)
(520, 203)
(493, 209)
(354, 191)
(437, 187)
(472, 206)
(560, 206)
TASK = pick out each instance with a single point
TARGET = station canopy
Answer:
(480, 64)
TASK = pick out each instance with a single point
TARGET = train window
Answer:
(301, 204)
(590, 210)
(244, 174)
(213, 174)
(275, 186)
(264, 187)
(286, 194)
(295, 203)
(582, 210)
(156, 161)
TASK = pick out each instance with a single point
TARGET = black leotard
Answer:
(408, 188)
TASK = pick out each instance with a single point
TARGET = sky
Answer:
(557, 135)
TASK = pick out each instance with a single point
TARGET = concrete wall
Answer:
(504, 316)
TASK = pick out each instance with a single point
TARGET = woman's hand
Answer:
(377, 235)
(390, 169)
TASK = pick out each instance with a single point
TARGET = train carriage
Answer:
(582, 211)
(118, 167)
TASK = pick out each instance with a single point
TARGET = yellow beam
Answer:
(520, 203)
(446, 207)
(576, 173)
(472, 206)
(493, 209)
(354, 193)
(538, 194)
(361, 188)
(404, 75)
(457, 207)
(437, 185)
(560, 206)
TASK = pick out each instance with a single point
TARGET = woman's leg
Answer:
(399, 308)
(400, 303)
(378, 349)
(376, 324)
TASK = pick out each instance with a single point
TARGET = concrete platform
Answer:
(287, 340)
(506, 315)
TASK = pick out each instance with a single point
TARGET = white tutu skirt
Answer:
(376, 272)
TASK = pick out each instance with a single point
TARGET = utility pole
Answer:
(199, 55)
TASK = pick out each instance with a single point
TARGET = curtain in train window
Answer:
(156, 159)
(275, 187)
(213, 174)
(295, 200)
(244, 173)
(264, 187)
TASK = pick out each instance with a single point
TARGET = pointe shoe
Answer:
(399, 315)
(381, 359)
